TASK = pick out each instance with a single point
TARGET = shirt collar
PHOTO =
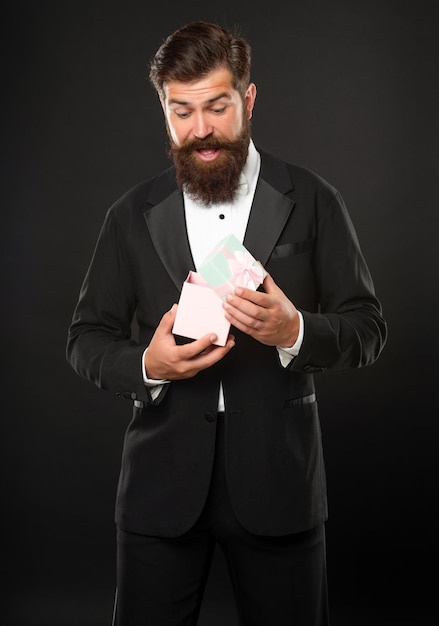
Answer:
(250, 170)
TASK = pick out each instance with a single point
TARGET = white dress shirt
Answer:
(207, 225)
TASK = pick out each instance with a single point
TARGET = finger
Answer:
(209, 357)
(242, 320)
(259, 298)
(252, 328)
(167, 321)
(215, 353)
(195, 348)
(239, 307)
(269, 284)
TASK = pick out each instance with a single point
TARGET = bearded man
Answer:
(224, 446)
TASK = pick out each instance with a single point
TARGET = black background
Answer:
(346, 88)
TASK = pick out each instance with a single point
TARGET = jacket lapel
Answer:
(167, 226)
(270, 209)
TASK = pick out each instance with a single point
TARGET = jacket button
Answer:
(209, 417)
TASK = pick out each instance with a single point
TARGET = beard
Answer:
(215, 182)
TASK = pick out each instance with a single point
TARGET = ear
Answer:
(250, 97)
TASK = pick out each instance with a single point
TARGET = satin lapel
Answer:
(268, 216)
(167, 226)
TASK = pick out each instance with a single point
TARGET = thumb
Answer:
(168, 318)
(269, 284)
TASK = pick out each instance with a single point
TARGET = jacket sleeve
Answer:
(348, 329)
(99, 344)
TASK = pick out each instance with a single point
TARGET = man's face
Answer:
(209, 128)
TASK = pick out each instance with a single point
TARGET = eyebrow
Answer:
(224, 94)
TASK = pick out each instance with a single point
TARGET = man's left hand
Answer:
(269, 317)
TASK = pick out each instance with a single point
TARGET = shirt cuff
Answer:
(151, 382)
(286, 355)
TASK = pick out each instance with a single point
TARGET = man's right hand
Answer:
(165, 360)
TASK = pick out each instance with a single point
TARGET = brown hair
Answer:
(197, 49)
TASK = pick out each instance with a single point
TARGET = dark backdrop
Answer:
(347, 88)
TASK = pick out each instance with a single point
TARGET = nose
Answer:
(201, 127)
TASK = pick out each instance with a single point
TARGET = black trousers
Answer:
(277, 581)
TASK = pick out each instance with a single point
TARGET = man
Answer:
(224, 446)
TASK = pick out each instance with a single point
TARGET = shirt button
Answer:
(221, 216)
(209, 417)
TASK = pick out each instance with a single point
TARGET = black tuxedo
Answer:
(300, 230)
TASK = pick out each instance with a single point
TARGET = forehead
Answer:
(218, 82)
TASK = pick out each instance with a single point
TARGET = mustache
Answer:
(208, 143)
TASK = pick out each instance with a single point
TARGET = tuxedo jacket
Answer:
(301, 232)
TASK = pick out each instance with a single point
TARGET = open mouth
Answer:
(208, 154)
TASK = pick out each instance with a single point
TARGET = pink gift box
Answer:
(200, 311)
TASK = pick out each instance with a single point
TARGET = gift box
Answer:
(200, 307)
(231, 265)
(200, 311)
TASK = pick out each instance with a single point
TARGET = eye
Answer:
(182, 116)
(219, 110)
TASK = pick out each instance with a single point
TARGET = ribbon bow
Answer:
(245, 272)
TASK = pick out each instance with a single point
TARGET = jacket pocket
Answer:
(309, 399)
(290, 249)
